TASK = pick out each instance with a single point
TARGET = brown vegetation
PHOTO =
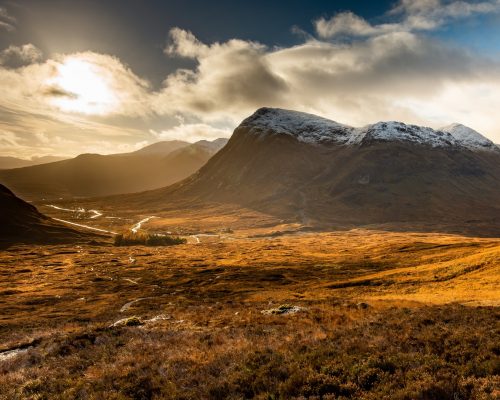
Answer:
(375, 316)
(328, 351)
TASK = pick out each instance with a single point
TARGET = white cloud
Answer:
(42, 137)
(81, 83)
(94, 102)
(8, 139)
(92, 83)
(360, 82)
(224, 79)
(191, 133)
(185, 44)
(348, 23)
(414, 15)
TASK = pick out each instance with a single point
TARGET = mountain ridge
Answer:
(7, 162)
(90, 175)
(326, 184)
(313, 129)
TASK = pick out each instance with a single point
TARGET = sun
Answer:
(83, 87)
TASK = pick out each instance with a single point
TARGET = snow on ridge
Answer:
(468, 136)
(313, 129)
(305, 127)
(394, 130)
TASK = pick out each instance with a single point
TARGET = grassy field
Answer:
(364, 314)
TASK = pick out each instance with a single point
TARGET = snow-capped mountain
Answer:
(469, 137)
(309, 128)
(300, 167)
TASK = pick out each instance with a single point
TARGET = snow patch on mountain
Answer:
(398, 131)
(305, 127)
(468, 137)
(312, 129)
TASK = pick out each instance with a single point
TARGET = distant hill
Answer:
(13, 162)
(187, 160)
(316, 171)
(21, 222)
(161, 148)
(88, 175)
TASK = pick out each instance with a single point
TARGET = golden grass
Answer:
(88, 282)
(375, 320)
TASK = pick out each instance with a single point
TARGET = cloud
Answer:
(185, 44)
(67, 140)
(414, 15)
(348, 23)
(82, 83)
(388, 71)
(56, 91)
(359, 82)
(7, 21)
(191, 132)
(224, 79)
(16, 56)
(8, 139)
(96, 84)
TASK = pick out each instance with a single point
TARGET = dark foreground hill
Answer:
(88, 175)
(22, 222)
(299, 166)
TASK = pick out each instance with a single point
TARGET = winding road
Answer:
(95, 214)
(137, 226)
(85, 226)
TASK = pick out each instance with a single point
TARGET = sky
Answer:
(113, 76)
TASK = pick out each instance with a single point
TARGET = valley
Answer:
(235, 200)
(92, 317)
(299, 269)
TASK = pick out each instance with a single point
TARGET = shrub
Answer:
(147, 239)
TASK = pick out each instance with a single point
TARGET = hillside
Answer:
(99, 175)
(14, 162)
(321, 173)
(21, 222)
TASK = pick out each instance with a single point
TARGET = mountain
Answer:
(161, 148)
(89, 175)
(307, 168)
(187, 160)
(472, 139)
(21, 222)
(13, 162)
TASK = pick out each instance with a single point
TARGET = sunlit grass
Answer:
(371, 318)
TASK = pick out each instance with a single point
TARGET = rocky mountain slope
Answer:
(303, 167)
